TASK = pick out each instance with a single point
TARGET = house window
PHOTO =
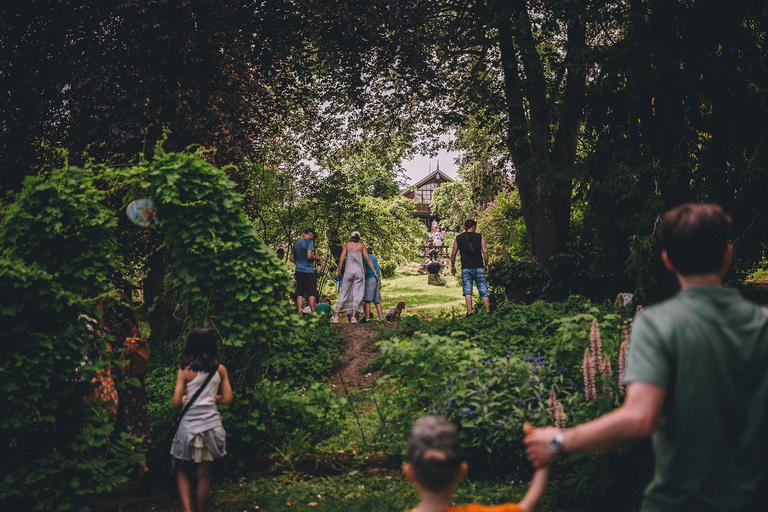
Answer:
(424, 193)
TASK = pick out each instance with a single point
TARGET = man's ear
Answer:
(408, 472)
(667, 263)
(462, 472)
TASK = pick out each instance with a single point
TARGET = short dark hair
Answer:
(310, 230)
(696, 237)
(434, 452)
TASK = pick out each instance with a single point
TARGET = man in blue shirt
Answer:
(303, 256)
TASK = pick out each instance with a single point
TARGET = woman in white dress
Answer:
(353, 284)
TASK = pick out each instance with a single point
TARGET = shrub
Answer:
(492, 373)
(56, 260)
(439, 280)
(307, 351)
(387, 269)
(503, 227)
(521, 279)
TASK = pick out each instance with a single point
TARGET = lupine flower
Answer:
(605, 367)
(595, 343)
(555, 410)
(589, 368)
(551, 404)
(559, 416)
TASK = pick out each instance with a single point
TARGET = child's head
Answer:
(327, 301)
(201, 354)
(434, 455)
(401, 305)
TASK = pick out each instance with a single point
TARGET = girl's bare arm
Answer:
(225, 398)
(536, 490)
(178, 392)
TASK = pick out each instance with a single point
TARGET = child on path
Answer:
(372, 289)
(435, 467)
(200, 437)
(324, 308)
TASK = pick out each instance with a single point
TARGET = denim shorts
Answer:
(372, 290)
(468, 275)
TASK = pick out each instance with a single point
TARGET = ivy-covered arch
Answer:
(59, 256)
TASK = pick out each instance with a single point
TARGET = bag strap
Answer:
(192, 400)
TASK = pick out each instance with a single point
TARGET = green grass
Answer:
(415, 291)
(354, 491)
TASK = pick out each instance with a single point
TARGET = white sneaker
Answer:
(334, 320)
(353, 320)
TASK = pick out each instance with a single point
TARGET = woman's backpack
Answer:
(137, 354)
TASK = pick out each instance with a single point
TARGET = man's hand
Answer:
(486, 269)
(538, 443)
(453, 270)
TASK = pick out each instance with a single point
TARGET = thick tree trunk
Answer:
(161, 301)
(540, 162)
(546, 234)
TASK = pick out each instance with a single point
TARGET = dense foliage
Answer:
(60, 257)
(492, 373)
(58, 254)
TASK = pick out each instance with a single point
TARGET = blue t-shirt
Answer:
(299, 252)
(368, 271)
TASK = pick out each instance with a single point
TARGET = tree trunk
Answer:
(542, 164)
(160, 300)
(539, 205)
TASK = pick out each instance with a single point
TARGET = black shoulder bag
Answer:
(191, 401)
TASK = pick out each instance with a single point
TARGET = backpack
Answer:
(137, 354)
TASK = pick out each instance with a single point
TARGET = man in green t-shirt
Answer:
(697, 378)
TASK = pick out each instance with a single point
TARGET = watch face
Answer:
(555, 446)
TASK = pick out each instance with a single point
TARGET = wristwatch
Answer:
(556, 446)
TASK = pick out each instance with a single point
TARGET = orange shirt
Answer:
(475, 507)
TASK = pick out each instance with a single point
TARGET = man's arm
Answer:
(310, 255)
(485, 252)
(636, 419)
(453, 256)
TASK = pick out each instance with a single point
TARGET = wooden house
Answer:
(421, 193)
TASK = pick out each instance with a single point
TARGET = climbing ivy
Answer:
(59, 257)
(56, 256)
(226, 277)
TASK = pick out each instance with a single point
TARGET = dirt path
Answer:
(360, 348)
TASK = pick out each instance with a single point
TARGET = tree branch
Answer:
(535, 83)
(517, 133)
(564, 149)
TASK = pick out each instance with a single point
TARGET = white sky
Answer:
(419, 167)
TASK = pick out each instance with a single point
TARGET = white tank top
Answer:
(208, 397)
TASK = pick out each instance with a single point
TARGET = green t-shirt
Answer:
(708, 347)
(323, 309)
